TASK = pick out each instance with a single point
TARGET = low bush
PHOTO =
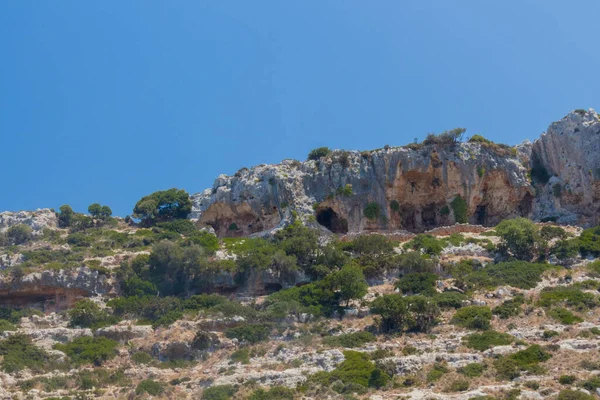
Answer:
(318, 153)
(436, 372)
(549, 232)
(485, 340)
(564, 316)
(591, 384)
(574, 395)
(221, 392)
(429, 244)
(85, 349)
(472, 370)
(450, 299)
(273, 393)
(150, 386)
(412, 313)
(141, 357)
(509, 308)
(372, 211)
(241, 355)
(18, 352)
(350, 340)
(87, 314)
(6, 326)
(417, 283)
(356, 368)
(250, 333)
(567, 296)
(589, 242)
(459, 385)
(566, 379)
(473, 317)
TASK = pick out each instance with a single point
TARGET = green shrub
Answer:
(509, 308)
(549, 232)
(485, 340)
(591, 384)
(273, 393)
(222, 392)
(507, 368)
(395, 206)
(345, 190)
(589, 242)
(18, 352)
(459, 385)
(564, 316)
(318, 153)
(568, 296)
(449, 299)
(85, 349)
(241, 355)
(251, 333)
(532, 355)
(574, 395)
(418, 283)
(350, 340)
(151, 387)
(459, 206)
(566, 379)
(428, 243)
(472, 370)
(520, 238)
(372, 211)
(356, 368)
(473, 317)
(549, 334)
(141, 357)
(564, 249)
(519, 274)
(19, 234)
(436, 372)
(6, 326)
(87, 314)
(398, 313)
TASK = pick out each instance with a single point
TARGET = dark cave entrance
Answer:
(330, 220)
(481, 214)
(526, 205)
(409, 221)
(428, 216)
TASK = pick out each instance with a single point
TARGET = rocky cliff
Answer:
(415, 187)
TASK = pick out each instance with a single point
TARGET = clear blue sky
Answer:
(107, 101)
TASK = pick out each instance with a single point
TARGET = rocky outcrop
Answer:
(37, 220)
(54, 289)
(415, 188)
(404, 188)
(566, 161)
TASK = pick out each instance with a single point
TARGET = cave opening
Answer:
(526, 205)
(428, 216)
(409, 221)
(481, 214)
(330, 220)
(272, 287)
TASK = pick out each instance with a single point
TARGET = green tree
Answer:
(349, 282)
(164, 205)
(19, 234)
(94, 210)
(520, 238)
(65, 216)
(318, 153)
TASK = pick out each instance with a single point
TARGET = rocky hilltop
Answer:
(417, 187)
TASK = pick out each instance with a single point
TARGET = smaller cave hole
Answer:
(330, 220)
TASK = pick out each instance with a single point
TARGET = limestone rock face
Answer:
(569, 153)
(408, 189)
(37, 220)
(56, 288)
(412, 188)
